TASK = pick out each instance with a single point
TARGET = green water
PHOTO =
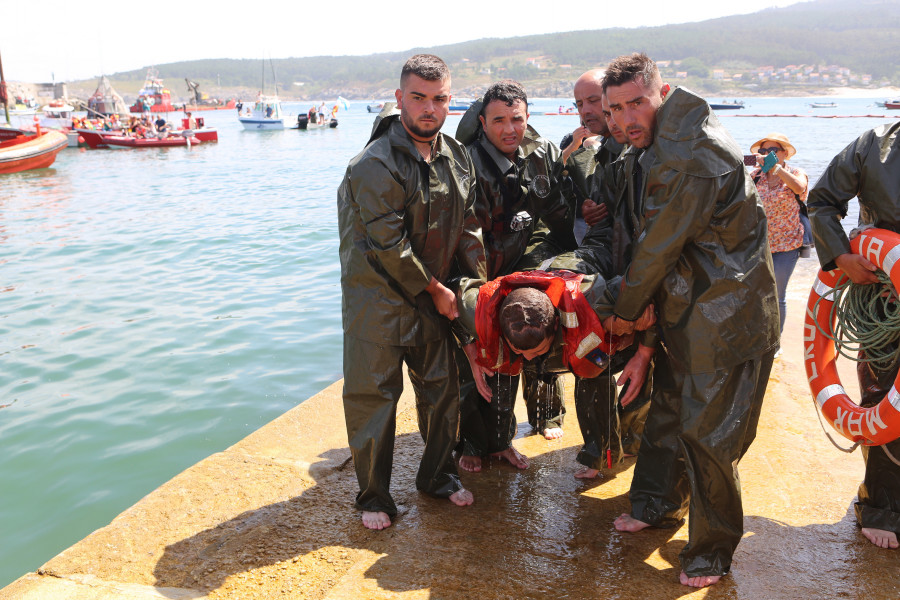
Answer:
(158, 305)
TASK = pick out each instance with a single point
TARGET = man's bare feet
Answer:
(376, 520)
(699, 582)
(470, 463)
(462, 497)
(586, 473)
(553, 433)
(513, 457)
(626, 522)
(880, 537)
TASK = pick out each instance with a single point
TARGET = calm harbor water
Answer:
(158, 305)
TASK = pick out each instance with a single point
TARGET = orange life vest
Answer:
(582, 331)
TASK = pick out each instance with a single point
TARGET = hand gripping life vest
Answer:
(871, 426)
(582, 334)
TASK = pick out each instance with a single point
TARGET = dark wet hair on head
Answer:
(427, 66)
(506, 91)
(527, 318)
(630, 67)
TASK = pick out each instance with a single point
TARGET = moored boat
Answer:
(101, 139)
(26, 152)
(124, 141)
(375, 106)
(726, 105)
(823, 105)
(154, 96)
(265, 114)
(892, 104)
(105, 101)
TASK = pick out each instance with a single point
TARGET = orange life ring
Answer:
(871, 426)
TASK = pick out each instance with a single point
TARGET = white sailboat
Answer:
(266, 113)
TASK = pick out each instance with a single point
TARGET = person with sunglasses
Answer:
(782, 190)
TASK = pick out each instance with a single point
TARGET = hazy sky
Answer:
(48, 39)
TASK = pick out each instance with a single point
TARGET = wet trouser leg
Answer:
(698, 428)
(595, 402)
(433, 374)
(485, 427)
(373, 382)
(543, 394)
(878, 498)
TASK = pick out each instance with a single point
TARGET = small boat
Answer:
(114, 139)
(124, 141)
(726, 105)
(568, 111)
(303, 122)
(892, 104)
(374, 106)
(457, 105)
(153, 97)
(26, 152)
(823, 105)
(265, 114)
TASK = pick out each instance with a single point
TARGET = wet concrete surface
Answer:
(272, 517)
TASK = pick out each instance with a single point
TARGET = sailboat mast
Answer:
(4, 94)
(274, 79)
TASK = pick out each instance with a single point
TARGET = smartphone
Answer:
(771, 161)
(750, 160)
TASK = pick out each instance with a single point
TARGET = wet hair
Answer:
(631, 67)
(527, 318)
(506, 91)
(427, 66)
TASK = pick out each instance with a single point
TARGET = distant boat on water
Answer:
(154, 96)
(726, 105)
(105, 101)
(823, 105)
(892, 104)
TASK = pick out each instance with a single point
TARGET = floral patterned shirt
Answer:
(782, 209)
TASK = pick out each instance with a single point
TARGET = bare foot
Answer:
(626, 522)
(462, 497)
(469, 463)
(553, 433)
(880, 537)
(376, 520)
(586, 473)
(513, 457)
(699, 582)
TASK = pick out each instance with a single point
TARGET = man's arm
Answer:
(381, 201)
(677, 209)
(830, 198)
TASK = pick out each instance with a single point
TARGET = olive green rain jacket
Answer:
(534, 183)
(703, 256)
(402, 221)
(584, 162)
(868, 168)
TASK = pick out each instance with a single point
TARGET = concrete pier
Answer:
(272, 517)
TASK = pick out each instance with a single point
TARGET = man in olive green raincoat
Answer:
(526, 213)
(702, 258)
(405, 214)
(869, 168)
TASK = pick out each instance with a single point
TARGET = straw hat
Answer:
(780, 139)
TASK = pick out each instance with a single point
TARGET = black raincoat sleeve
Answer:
(382, 203)
(676, 211)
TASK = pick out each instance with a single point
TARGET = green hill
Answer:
(862, 38)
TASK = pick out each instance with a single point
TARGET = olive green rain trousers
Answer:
(698, 428)
(373, 382)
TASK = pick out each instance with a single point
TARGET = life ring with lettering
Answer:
(877, 424)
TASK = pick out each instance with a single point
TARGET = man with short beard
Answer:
(405, 214)
(702, 257)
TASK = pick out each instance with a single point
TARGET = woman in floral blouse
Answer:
(781, 189)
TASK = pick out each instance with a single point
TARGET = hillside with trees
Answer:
(857, 42)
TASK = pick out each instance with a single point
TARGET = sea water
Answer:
(158, 305)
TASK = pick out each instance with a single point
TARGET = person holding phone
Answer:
(782, 190)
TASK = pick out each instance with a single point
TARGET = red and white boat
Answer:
(895, 104)
(25, 152)
(154, 97)
(110, 139)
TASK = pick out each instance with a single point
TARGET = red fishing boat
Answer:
(154, 97)
(110, 139)
(25, 152)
